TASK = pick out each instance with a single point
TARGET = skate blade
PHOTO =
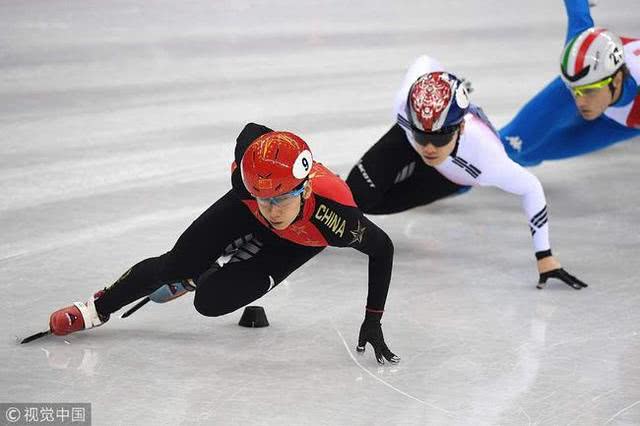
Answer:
(35, 336)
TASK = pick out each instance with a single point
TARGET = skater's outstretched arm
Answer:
(511, 177)
(344, 225)
(578, 17)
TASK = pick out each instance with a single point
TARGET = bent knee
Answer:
(207, 308)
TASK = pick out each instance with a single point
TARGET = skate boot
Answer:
(76, 317)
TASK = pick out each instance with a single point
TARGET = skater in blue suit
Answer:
(593, 104)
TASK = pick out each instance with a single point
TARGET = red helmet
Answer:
(275, 163)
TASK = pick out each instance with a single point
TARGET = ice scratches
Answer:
(577, 420)
(621, 411)
(537, 401)
(93, 233)
(594, 399)
(525, 413)
(567, 406)
(390, 386)
(605, 334)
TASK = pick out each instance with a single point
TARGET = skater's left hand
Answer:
(548, 263)
(371, 332)
(563, 276)
(549, 267)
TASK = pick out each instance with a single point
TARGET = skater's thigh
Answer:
(206, 238)
(419, 186)
(388, 160)
(223, 290)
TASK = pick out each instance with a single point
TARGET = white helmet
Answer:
(591, 56)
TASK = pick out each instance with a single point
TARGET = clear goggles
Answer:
(281, 199)
(588, 89)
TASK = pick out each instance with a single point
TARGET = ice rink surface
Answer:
(117, 127)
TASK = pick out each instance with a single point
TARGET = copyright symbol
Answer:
(12, 414)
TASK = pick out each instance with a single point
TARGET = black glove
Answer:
(371, 332)
(563, 276)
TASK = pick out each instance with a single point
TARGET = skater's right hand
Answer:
(371, 332)
(171, 291)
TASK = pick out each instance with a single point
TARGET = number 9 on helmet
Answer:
(275, 163)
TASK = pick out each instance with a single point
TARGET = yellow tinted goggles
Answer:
(585, 89)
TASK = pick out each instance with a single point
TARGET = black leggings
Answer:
(391, 177)
(219, 290)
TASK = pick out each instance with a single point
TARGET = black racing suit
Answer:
(328, 218)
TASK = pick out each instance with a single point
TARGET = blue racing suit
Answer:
(549, 126)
